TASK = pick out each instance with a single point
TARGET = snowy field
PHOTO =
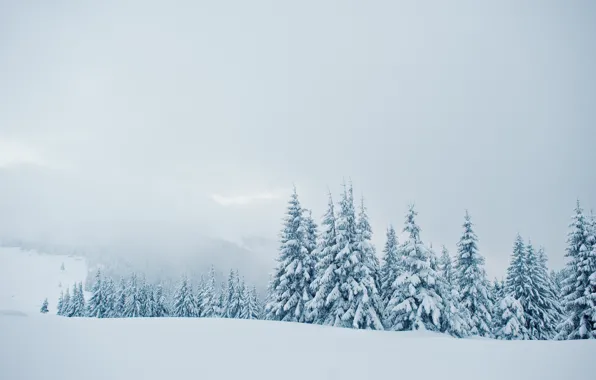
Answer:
(36, 346)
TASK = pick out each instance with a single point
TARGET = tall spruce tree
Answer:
(455, 319)
(326, 276)
(120, 300)
(392, 267)
(548, 298)
(110, 296)
(366, 246)
(96, 307)
(60, 304)
(578, 322)
(209, 299)
(520, 284)
(472, 282)
(184, 301)
(233, 297)
(161, 308)
(415, 303)
(66, 304)
(295, 269)
(221, 301)
(133, 307)
(352, 299)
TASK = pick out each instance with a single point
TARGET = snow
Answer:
(37, 346)
(28, 277)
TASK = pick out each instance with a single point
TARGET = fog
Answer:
(161, 125)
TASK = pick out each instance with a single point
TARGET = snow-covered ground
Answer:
(27, 277)
(36, 346)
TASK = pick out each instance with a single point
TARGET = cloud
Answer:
(13, 153)
(240, 200)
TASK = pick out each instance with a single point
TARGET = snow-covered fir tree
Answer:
(509, 319)
(133, 306)
(44, 307)
(243, 299)
(221, 301)
(391, 269)
(110, 296)
(472, 282)
(520, 282)
(120, 300)
(233, 297)
(290, 289)
(253, 308)
(184, 301)
(209, 299)
(77, 302)
(60, 304)
(579, 321)
(455, 319)
(96, 307)
(161, 309)
(366, 246)
(326, 277)
(415, 303)
(352, 298)
(65, 310)
(310, 232)
(199, 295)
(150, 309)
(548, 298)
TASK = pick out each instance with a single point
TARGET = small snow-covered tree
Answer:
(209, 299)
(44, 306)
(295, 269)
(243, 300)
(150, 308)
(472, 282)
(77, 303)
(415, 303)
(96, 307)
(110, 296)
(199, 296)
(577, 290)
(548, 298)
(253, 306)
(184, 301)
(62, 266)
(366, 247)
(326, 277)
(509, 319)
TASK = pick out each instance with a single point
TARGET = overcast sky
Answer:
(199, 116)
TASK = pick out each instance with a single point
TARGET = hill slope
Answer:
(36, 346)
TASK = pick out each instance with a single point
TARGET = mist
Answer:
(154, 129)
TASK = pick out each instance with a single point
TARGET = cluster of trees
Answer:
(134, 297)
(331, 275)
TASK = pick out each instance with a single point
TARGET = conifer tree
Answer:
(352, 299)
(161, 309)
(233, 298)
(77, 302)
(578, 322)
(472, 282)
(253, 306)
(200, 296)
(392, 267)
(110, 296)
(243, 300)
(326, 276)
(295, 269)
(184, 301)
(209, 300)
(310, 233)
(366, 246)
(221, 301)
(44, 306)
(455, 319)
(548, 298)
(60, 304)
(96, 307)
(509, 319)
(150, 309)
(66, 306)
(133, 307)
(415, 303)
(120, 300)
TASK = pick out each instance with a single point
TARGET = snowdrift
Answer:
(36, 346)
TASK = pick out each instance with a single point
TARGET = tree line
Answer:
(134, 297)
(331, 275)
